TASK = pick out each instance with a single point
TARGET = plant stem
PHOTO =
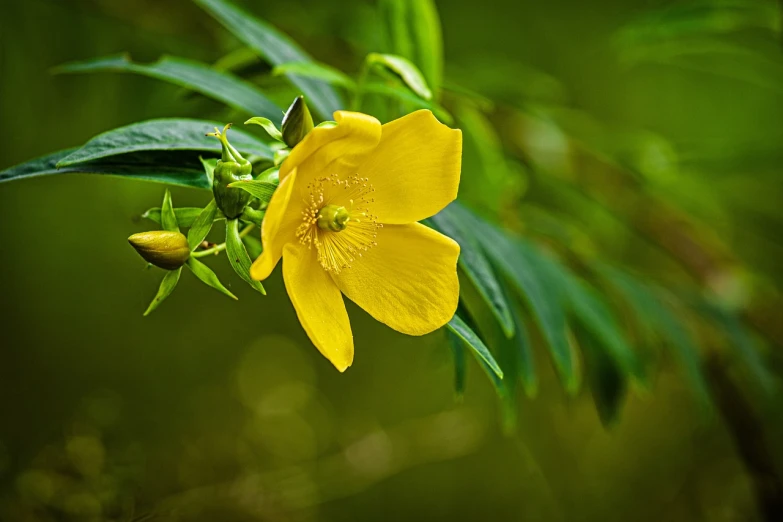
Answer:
(747, 431)
(356, 101)
(222, 246)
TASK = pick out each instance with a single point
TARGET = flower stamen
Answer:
(340, 233)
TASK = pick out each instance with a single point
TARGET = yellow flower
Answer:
(344, 220)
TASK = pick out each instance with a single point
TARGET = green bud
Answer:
(162, 248)
(297, 122)
(231, 167)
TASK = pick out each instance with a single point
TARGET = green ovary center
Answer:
(333, 217)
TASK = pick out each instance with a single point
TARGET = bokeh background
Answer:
(212, 410)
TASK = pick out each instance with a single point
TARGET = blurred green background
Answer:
(212, 410)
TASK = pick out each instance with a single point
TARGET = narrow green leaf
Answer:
(267, 125)
(207, 276)
(597, 318)
(202, 225)
(168, 134)
(525, 359)
(532, 275)
(221, 86)
(209, 168)
(317, 71)
(276, 47)
(258, 189)
(466, 335)
(237, 255)
(406, 70)
(428, 38)
(395, 15)
(169, 168)
(415, 33)
(185, 215)
(168, 219)
(166, 287)
(240, 59)
(475, 265)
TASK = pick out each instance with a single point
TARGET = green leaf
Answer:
(316, 70)
(259, 189)
(169, 168)
(468, 337)
(415, 33)
(202, 225)
(237, 255)
(168, 219)
(276, 47)
(523, 347)
(659, 322)
(514, 354)
(408, 72)
(270, 175)
(168, 134)
(597, 318)
(606, 380)
(186, 216)
(207, 276)
(267, 125)
(166, 287)
(538, 283)
(209, 168)
(222, 86)
(475, 265)
(460, 363)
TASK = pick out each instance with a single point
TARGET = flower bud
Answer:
(297, 122)
(162, 248)
(230, 167)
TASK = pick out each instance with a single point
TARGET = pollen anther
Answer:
(338, 223)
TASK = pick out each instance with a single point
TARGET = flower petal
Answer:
(334, 150)
(415, 168)
(318, 305)
(408, 280)
(277, 229)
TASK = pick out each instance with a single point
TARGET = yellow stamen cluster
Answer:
(337, 221)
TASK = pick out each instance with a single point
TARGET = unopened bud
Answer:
(162, 248)
(297, 122)
(230, 167)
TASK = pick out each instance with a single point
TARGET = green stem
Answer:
(222, 246)
(356, 101)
